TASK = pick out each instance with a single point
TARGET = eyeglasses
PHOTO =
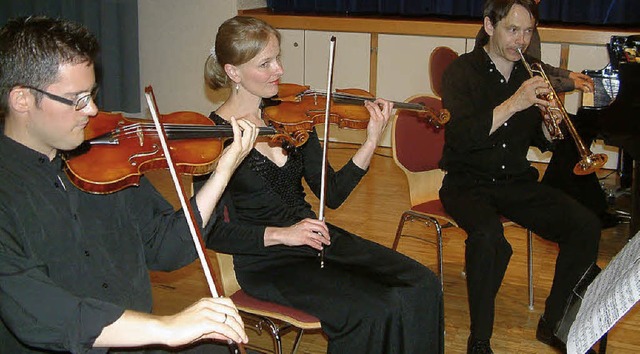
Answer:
(79, 103)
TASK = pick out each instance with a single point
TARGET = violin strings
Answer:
(176, 130)
(349, 96)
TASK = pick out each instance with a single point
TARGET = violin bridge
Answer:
(140, 135)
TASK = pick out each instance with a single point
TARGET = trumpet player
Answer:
(558, 174)
(494, 120)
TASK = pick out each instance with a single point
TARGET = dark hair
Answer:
(33, 48)
(239, 39)
(496, 10)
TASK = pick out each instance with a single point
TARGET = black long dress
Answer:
(369, 298)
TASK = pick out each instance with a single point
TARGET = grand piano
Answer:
(614, 108)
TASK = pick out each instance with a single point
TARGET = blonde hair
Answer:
(239, 40)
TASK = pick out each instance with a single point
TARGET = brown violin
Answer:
(300, 108)
(118, 150)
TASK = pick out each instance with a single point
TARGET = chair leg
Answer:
(296, 342)
(275, 335)
(440, 259)
(530, 266)
(403, 219)
(274, 330)
(410, 215)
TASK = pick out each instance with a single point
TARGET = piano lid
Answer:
(617, 119)
(622, 51)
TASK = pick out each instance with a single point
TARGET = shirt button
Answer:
(503, 167)
(55, 184)
(75, 217)
(502, 81)
(505, 124)
(504, 146)
(86, 253)
(105, 285)
(490, 70)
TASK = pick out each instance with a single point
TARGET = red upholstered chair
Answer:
(260, 315)
(417, 149)
(440, 58)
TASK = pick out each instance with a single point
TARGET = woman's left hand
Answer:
(244, 137)
(380, 112)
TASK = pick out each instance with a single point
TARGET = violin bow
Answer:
(323, 180)
(186, 207)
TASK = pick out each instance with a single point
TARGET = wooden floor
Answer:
(373, 212)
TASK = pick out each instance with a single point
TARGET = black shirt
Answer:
(262, 194)
(71, 262)
(472, 87)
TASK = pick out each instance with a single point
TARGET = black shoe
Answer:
(546, 336)
(475, 346)
(609, 220)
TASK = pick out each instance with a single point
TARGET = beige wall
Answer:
(175, 39)
(251, 4)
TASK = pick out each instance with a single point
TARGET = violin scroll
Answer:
(428, 109)
(437, 118)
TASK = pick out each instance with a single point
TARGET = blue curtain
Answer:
(593, 12)
(115, 24)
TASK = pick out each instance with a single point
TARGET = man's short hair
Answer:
(496, 10)
(33, 48)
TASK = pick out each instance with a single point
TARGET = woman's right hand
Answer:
(308, 232)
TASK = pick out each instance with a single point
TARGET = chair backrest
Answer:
(440, 58)
(417, 149)
(227, 273)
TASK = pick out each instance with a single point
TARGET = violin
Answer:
(298, 108)
(117, 150)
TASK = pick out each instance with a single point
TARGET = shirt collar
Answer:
(15, 154)
(484, 59)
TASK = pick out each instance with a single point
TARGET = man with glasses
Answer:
(79, 103)
(73, 265)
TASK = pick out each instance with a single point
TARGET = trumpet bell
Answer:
(590, 164)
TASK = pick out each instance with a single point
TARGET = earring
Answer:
(237, 88)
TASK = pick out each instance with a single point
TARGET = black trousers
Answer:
(477, 205)
(369, 298)
(559, 173)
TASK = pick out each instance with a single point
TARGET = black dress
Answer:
(369, 298)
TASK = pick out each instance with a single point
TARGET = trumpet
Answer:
(554, 114)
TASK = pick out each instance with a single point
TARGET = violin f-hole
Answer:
(134, 157)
